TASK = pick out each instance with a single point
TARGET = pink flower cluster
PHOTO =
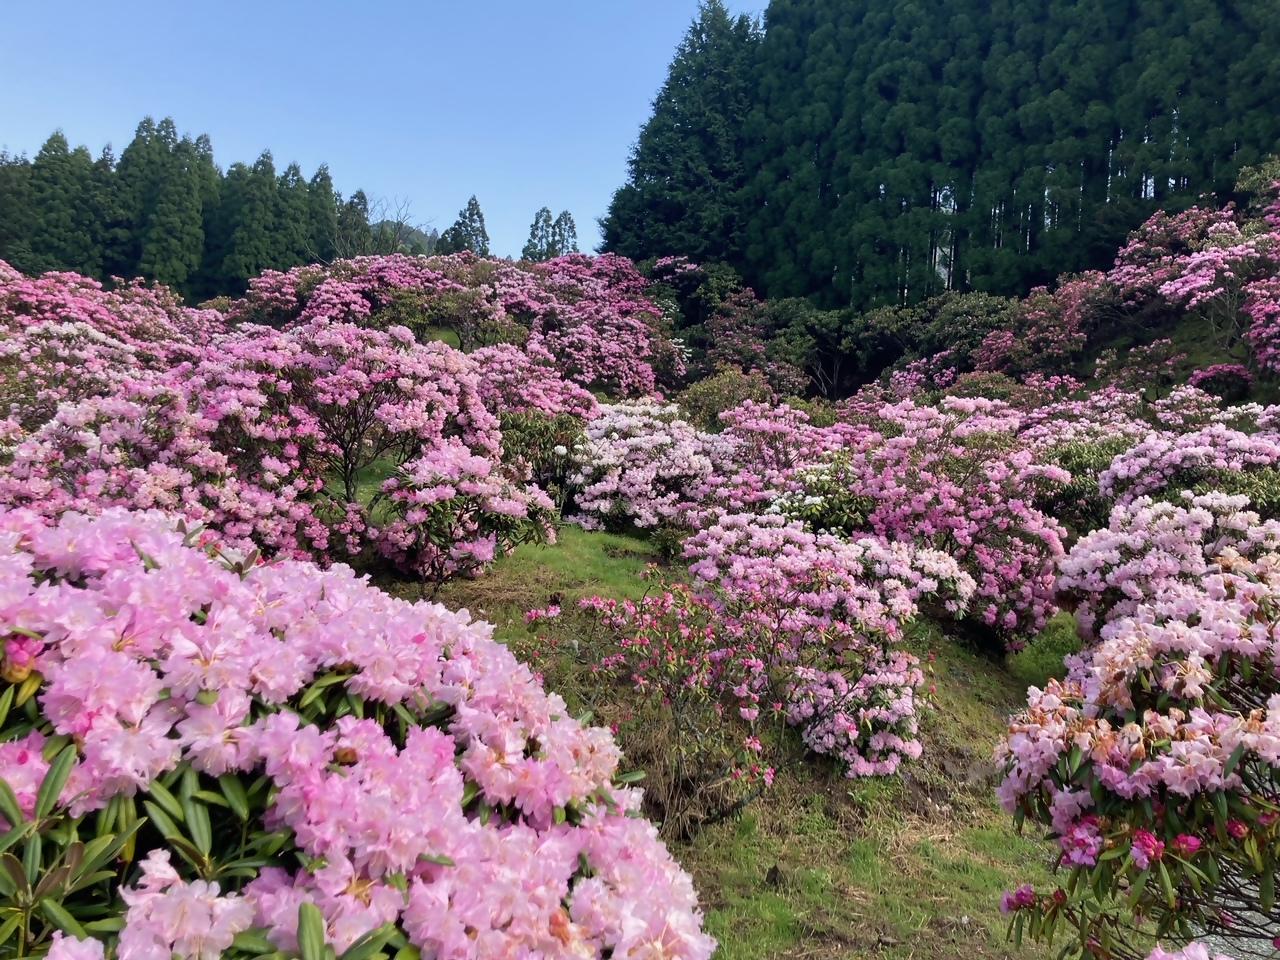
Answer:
(1160, 752)
(588, 316)
(488, 825)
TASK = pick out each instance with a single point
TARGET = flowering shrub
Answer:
(511, 381)
(1171, 460)
(1231, 381)
(456, 511)
(638, 465)
(588, 316)
(278, 757)
(704, 748)
(816, 615)
(1151, 546)
(1156, 763)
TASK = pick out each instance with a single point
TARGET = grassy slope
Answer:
(823, 866)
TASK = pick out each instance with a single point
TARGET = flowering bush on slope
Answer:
(815, 617)
(1156, 764)
(235, 758)
(266, 434)
(587, 316)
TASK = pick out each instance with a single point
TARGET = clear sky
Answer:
(525, 104)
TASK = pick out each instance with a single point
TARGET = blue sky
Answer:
(524, 104)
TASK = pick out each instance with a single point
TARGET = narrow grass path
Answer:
(821, 866)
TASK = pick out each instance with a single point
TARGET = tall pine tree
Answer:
(687, 167)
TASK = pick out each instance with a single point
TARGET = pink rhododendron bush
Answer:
(588, 317)
(205, 756)
(273, 437)
(1156, 763)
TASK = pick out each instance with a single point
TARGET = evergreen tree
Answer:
(110, 217)
(62, 229)
(17, 215)
(255, 243)
(686, 170)
(173, 233)
(564, 234)
(322, 216)
(354, 237)
(293, 218)
(539, 245)
(894, 150)
(467, 233)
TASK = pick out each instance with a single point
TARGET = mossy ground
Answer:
(822, 866)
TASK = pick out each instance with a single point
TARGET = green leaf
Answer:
(253, 941)
(311, 932)
(168, 802)
(1233, 761)
(1166, 883)
(54, 781)
(635, 776)
(1267, 890)
(9, 805)
(64, 921)
(198, 824)
(10, 926)
(438, 859)
(6, 704)
(237, 799)
(373, 941)
(168, 829)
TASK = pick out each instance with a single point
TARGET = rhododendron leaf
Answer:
(233, 790)
(61, 919)
(208, 796)
(9, 805)
(311, 932)
(438, 859)
(89, 879)
(28, 688)
(33, 857)
(167, 801)
(16, 875)
(51, 881)
(105, 925)
(370, 944)
(1233, 761)
(10, 927)
(634, 776)
(163, 822)
(408, 952)
(253, 941)
(319, 686)
(207, 698)
(198, 824)
(6, 703)
(1166, 883)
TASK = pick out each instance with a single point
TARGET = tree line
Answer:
(165, 211)
(866, 152)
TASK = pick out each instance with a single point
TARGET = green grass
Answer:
(443, 334)
(1043, 657)
(896, 868)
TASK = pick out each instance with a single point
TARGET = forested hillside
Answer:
(868, 153)
(165, 211)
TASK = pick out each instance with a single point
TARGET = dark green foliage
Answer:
(895, 150)
(549, 238)
(61, 187)
(538, 246)
(467, 232)
(165, 212)
(687, 168)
